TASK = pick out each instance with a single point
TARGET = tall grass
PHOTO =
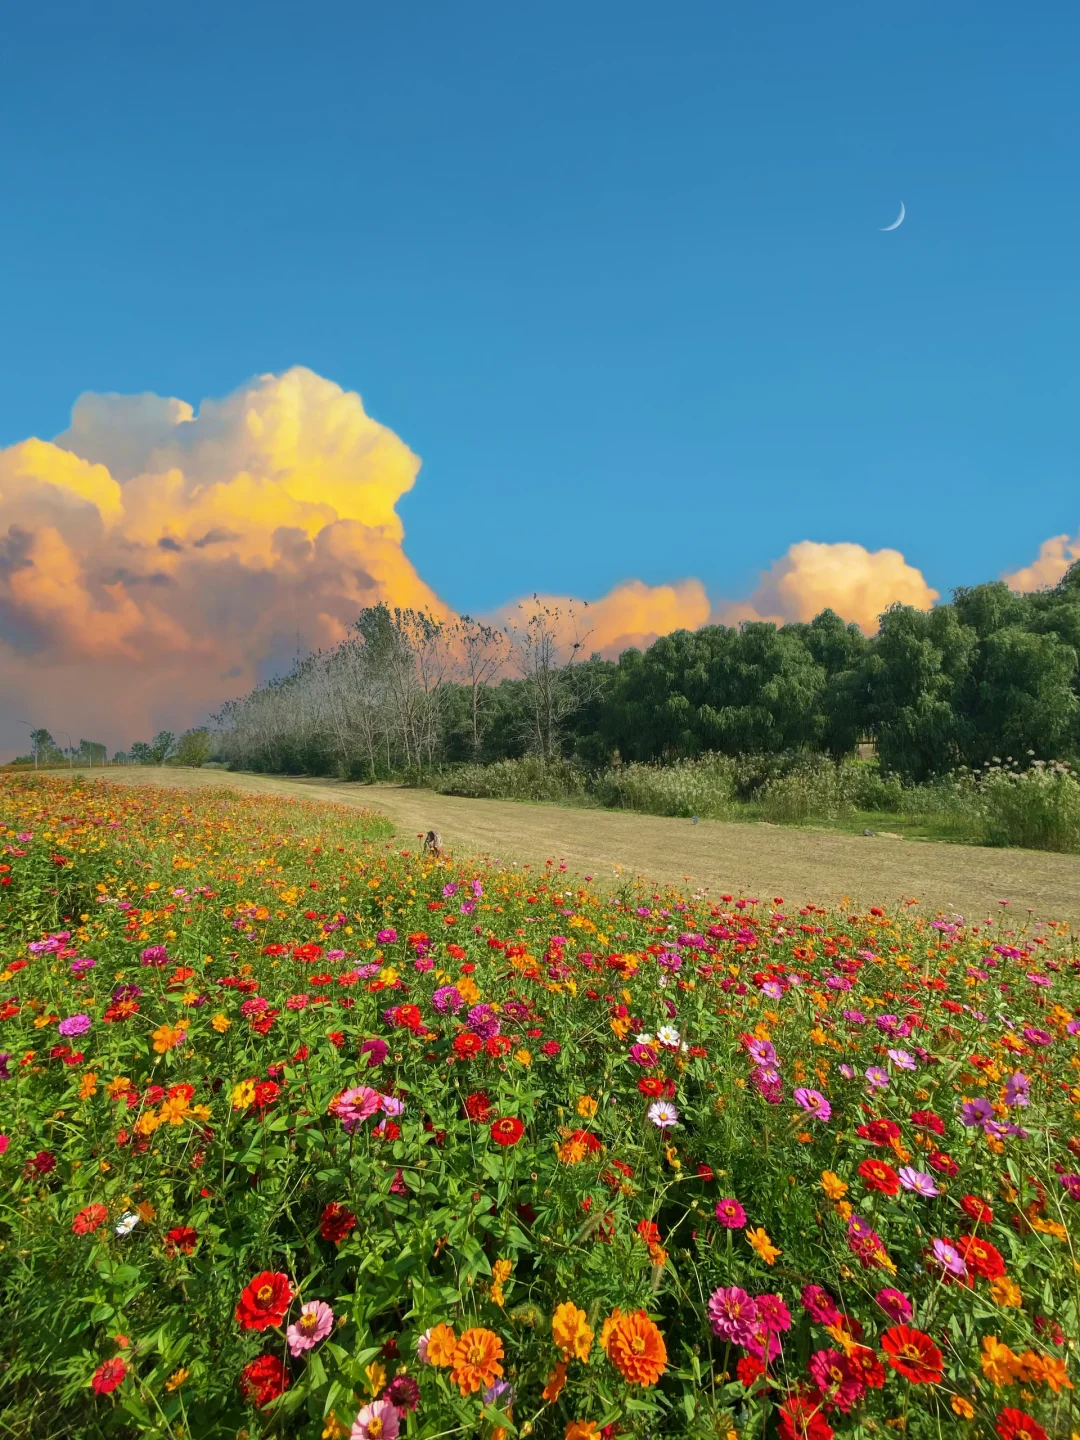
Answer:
(1037, 808)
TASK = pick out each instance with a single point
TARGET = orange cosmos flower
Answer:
(442, 1342)
(636, 1348)
(476, 1360)
(571, 1332)
(765, 1248)
(555, 1382)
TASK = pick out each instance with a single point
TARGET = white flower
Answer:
(127, 1223)
(644, 1039)
(663, 1114)
(668, 1035)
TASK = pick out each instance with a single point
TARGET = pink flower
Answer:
(819, 1305)
(388, 1422)
(313, 1324)
(949, 1258)
(813, 1102)
(730, 1214)
(895, 1304)
(354, 1106)
(643, 1055)
(731, 1314)
(918, 1181)
(773, 1314)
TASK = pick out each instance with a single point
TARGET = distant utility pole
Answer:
(33, 738)
(70, 747)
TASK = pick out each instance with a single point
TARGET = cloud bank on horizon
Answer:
(155, 560)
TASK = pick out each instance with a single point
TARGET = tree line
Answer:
(991, 674)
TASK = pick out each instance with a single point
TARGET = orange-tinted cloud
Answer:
(855, 582)
(156, 561)
(1054, 558)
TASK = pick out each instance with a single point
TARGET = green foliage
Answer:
(530, 778)
(702, 787)
(194, 747)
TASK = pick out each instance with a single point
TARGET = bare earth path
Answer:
(755, 859)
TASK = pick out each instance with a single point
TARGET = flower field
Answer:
(304, 1134)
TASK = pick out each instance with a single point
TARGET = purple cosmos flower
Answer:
(902, 1060)
(761, 1052)
(450, 889)
(74, 1025)
(976, 1112)
(392, 1106)
(814, 1103)
(949, 1258)
(1072, 1185)
(732, 1314)
(918, 1181)
(847, 1071)
(477, 889)
(1016, 1089)
(878, 1078)
(772, 989)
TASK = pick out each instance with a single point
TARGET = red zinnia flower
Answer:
(89, 1218)
(507, 1131)
(478, 1107)
(1015, 1425)
(181, 1241)
(928, 1121)
(913, 1354)
(879, 1132)
(945, 1163)
(337, 1220)
(108, 1376)
(264, 1301)
(748, 1370)
(981, 1257)
(264, 1380)
(880, 1177)
(801, 1418)
(977, 1210)
(651, 1085)
(467, 1044)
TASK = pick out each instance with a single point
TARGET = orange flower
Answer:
(765, 1248)
(1054, 1373)
(442, 1342)
(581, 1430)
(998, 1362)
(555, 1382)
(166, 1036)
(962, 1407)
(571, 1332)
(636, 1348)
(476, 1360)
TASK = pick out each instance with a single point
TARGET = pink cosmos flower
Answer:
(313, 1324)
(382, 1411)
(949, 1258)
(814, 1103)
(663, 1114)
(918, 1180)
(902, 1060)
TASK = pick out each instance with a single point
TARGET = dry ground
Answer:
(756, 859)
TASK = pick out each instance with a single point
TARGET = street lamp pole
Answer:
(70, 746)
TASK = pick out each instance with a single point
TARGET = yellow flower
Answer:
(147, 1123)
(334, 1429)
(174, 1111)
(962, 1407)
(833, 1186)
(570, 1152)
(523, 1057)
(177, 1378)
(581, 1430)
(221, 1023)
(117, 1085)
(571, 1332)
(376, 1377)
(1054, 1373)
(586, 1107)
(500, 1273)
(243, 1094)
(1006, 1292)
(764, 1247)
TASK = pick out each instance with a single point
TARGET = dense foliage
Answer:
(306, 1135)
(993, 674)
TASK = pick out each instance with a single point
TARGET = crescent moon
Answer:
(897, 222)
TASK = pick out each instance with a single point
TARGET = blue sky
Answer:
(614, 272)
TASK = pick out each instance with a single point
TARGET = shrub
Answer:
(702, 787)
(1037, 808)
(531, 778)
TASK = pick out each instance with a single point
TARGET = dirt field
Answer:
(799, 864)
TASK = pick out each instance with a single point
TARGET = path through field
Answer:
(755, 859)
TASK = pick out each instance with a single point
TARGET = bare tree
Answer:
(480, 652)
(546, 642)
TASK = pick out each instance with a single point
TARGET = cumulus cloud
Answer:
(156, 560)
(855, 582)
(1054, 558)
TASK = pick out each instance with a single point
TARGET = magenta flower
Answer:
(732, 1313)
(819, 1305)
(313, 1324)
(895, 1304)
(761, 1052)
(1035, 1036)
(447, 997)
(1072, 1185)
(377, 1421)
(643, 1055)
(976, 1112)
(730, 1214)
(773, 1313)
(1017, 1088)
(918, 1181)
(386, 937)
(74, 1025)
(814, 1103)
